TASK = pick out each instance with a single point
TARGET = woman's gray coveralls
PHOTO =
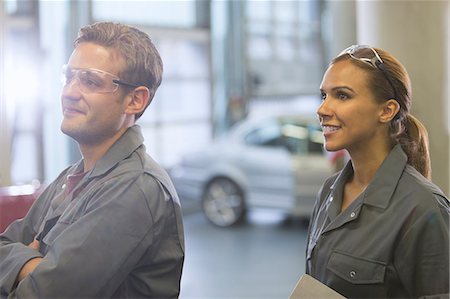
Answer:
(392, 241)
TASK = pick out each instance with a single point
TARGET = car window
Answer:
(315, 144)
(296, 137)
(268, 134)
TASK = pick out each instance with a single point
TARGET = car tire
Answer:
(223, 202)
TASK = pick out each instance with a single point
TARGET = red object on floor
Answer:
(15, 201)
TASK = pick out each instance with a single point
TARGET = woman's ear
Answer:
(389, 111)
(138, 101)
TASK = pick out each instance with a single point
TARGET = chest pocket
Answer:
(54, 232)
(356, 270)
(56, 226)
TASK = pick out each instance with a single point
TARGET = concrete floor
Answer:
(263, 258)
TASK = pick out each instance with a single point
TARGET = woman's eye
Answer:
(323, 96)
(342, 96)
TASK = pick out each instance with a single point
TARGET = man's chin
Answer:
(71, 132)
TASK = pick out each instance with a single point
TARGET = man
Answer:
(110, 225)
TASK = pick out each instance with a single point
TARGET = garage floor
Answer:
(263, 258)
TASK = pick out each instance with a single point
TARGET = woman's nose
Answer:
(323, 109)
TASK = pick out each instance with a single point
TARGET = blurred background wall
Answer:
(224, 61)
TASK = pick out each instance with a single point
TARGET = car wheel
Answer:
(223, 202)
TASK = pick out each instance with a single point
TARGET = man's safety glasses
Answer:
(93, 80)
(368, 55)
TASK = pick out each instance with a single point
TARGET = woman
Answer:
(380, 227)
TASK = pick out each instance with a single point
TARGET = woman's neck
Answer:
(366, 162)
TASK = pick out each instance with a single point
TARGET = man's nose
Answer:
(72, 89)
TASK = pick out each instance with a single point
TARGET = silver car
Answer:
(276, 162)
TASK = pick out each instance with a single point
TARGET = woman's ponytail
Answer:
(414, 142)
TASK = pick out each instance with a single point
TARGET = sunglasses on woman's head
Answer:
(368, 55)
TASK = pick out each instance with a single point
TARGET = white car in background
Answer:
(276, 162)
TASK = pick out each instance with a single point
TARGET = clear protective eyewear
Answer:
(92, 80)
(368, 55)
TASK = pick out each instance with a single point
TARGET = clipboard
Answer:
(310, 288)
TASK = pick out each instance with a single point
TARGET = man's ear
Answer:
(389, 111)
(138, 100)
